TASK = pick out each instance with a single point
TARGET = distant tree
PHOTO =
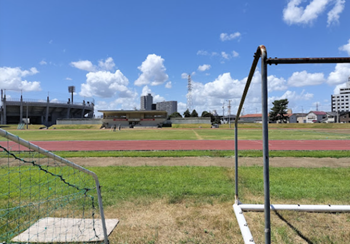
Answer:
(187, 114)
(207, 114)
(194, 113)
(279, 110)
(175, 115)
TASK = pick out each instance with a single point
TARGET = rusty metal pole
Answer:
(265, 118)
(246, 88)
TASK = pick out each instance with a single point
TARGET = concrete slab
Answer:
(48, 230)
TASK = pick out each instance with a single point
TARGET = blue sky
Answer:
(116, 51)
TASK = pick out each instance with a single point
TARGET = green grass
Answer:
(121, 183)
(321, 185)
(192, 126)
(182, 134)
(199, 153)
(174, 183)
(203, 153)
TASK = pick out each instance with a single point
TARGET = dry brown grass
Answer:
(187, 222)
(190, 222)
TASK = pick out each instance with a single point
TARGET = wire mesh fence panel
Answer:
(44, 200)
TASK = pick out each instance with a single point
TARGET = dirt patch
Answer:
(211, 161)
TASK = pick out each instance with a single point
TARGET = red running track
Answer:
(187, 145)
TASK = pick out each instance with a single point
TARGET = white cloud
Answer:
(293, 96)
(204, 67)
(68, 78)
(158, 98)
(235, 54)
(293, 13)
(43, 62)
(346, 48)
(339, 75)
(228, 56)
(105, 84)
(184, 76)
(276, 84)
(153, 71)
(333, 15)
(84, 65)
(181, 107)
(146, 90)
(225, 55)
(168, 85)
(127, 103)
(211, 95)
(107, 65)
(303, 78)
(337, 88)
(228, 37)
(202, 52)
(11, 78)
(206, 53)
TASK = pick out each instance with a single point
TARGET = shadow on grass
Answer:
(293, 228)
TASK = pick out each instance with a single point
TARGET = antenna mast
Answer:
(189, 94)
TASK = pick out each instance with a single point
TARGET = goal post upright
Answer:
(247, 237)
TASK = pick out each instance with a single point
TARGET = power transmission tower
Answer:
(189, 94)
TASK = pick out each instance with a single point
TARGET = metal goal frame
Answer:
(48, 154)
(267, 206)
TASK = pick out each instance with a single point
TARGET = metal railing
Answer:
(238, 206)
(55, 101)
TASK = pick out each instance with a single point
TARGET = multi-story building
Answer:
(340, 102)
(169, 106)
(146, 102)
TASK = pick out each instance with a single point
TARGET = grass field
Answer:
(194, 204)
(172, 204)
(183, 134)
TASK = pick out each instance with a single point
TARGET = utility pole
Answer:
(223, 111)
(229, 112)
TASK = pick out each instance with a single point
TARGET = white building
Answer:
(340, 102)
(315, 116)
(146, 102)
